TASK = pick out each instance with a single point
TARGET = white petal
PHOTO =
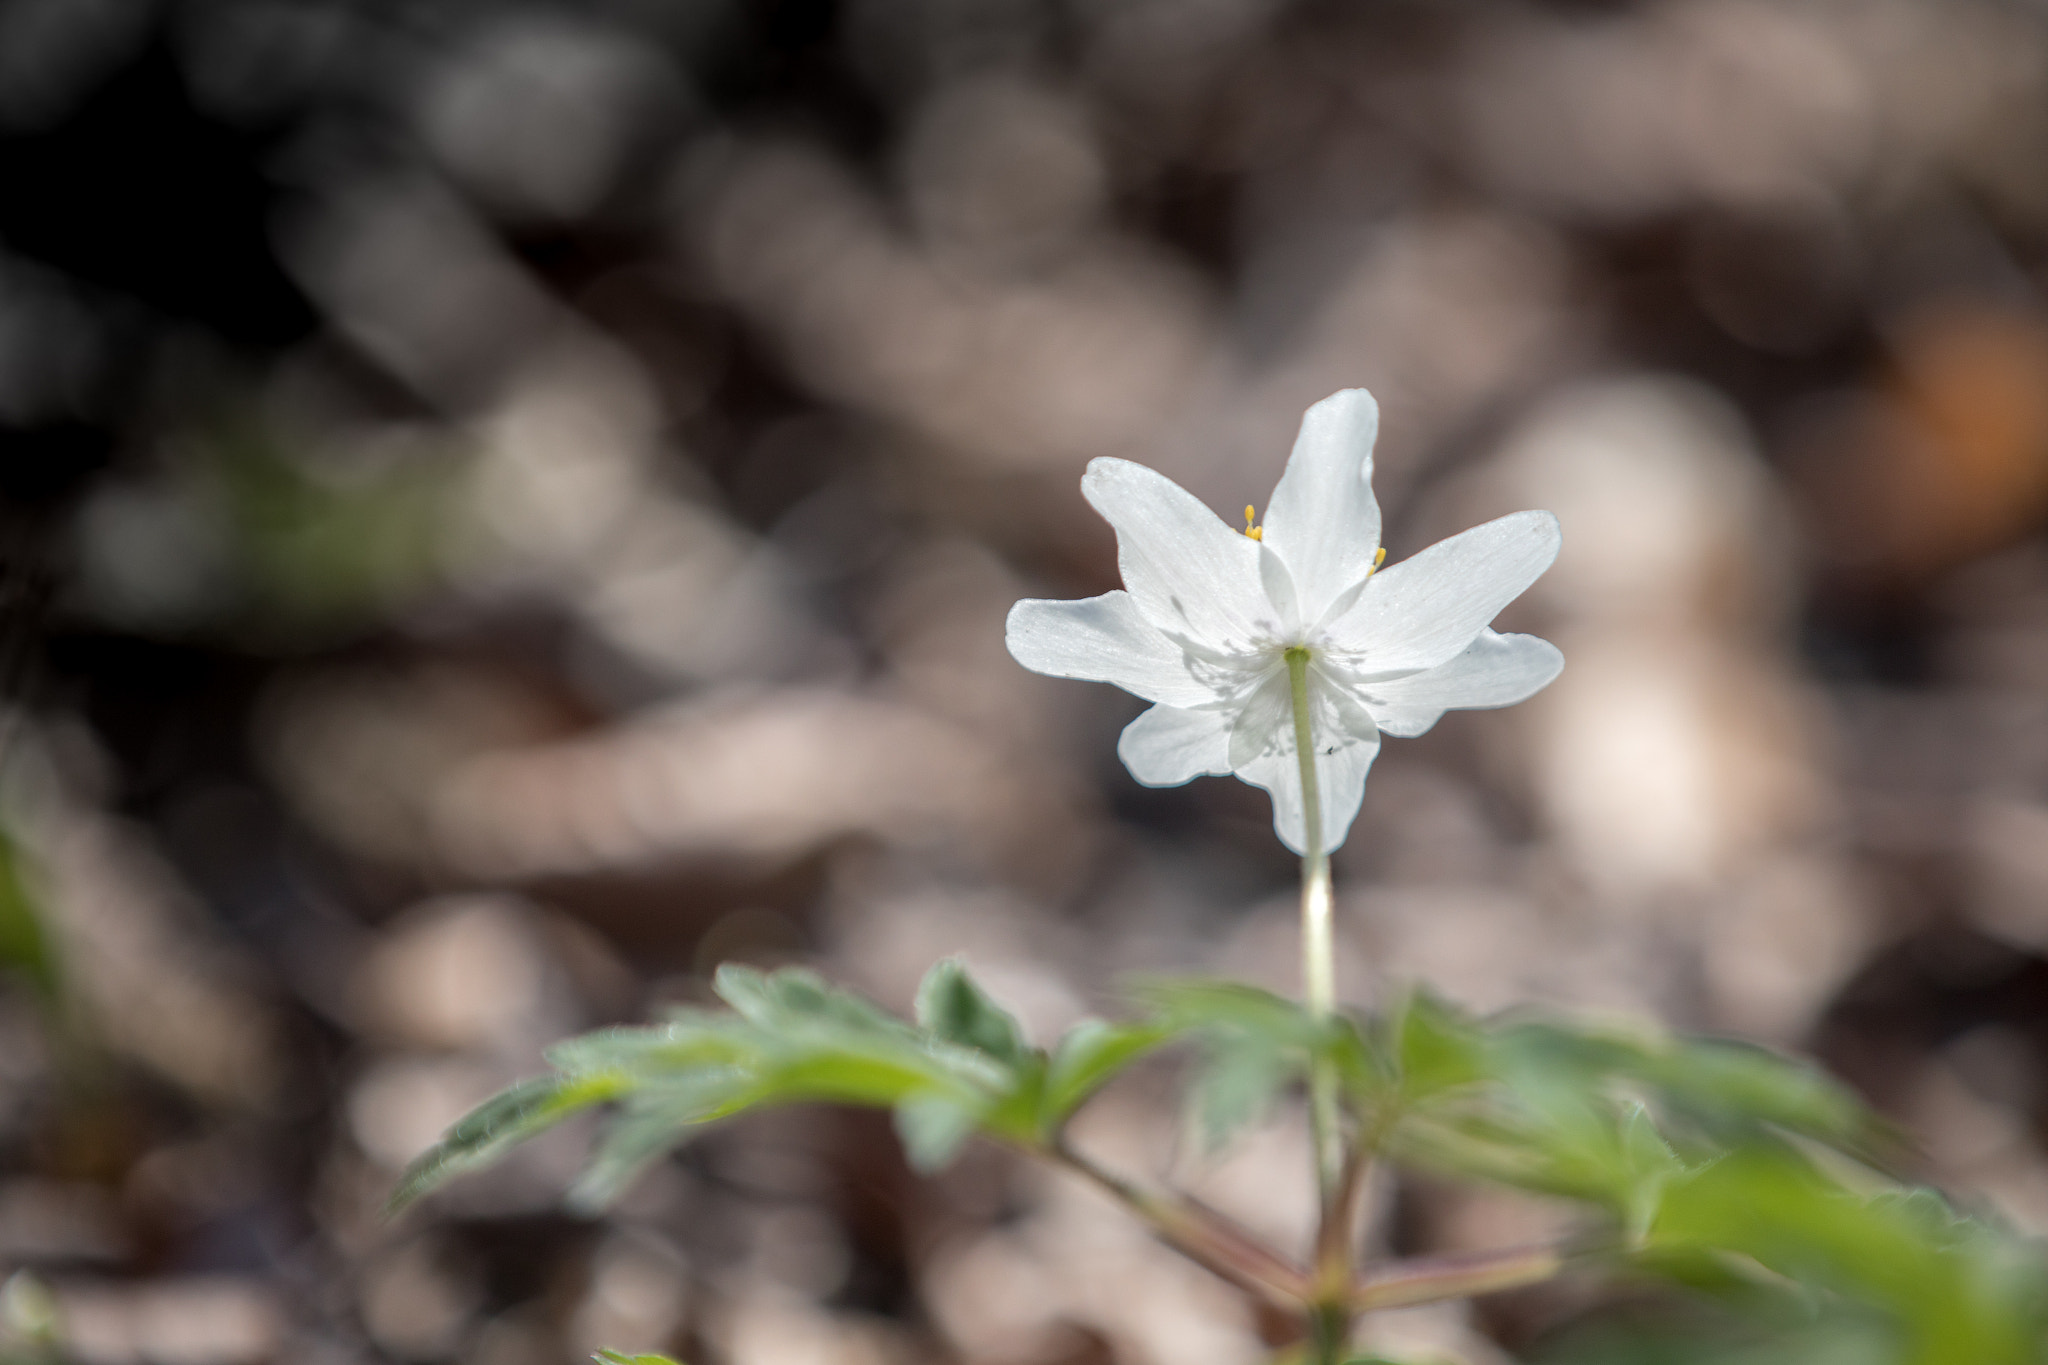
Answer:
(1324, 520)
(1341, 776)
(1265, 723)
(1279, 586)
(1167, 746)
(1426, 609)
(1104, 639)
(1346, 742)
(1192, 576)
(1494, 670)
(1340, 782)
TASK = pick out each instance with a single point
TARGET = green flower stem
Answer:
(1319, 975)
(1319, 985)
(1339, 1232)
(1318, 956)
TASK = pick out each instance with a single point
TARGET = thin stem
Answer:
(1329, 1332)
(1197, 1232)
(1436, 1278)
(1318, 956)
(1318, 972)
(1330, 1319)
(1339, 1233)
(1319, 975)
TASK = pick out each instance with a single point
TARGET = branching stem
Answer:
(1331, 1293)
(1216, 1243)
(1433, 1279)
(1199, 1233)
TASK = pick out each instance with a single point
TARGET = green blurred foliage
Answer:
(26, 947)
(29, 1322)
(322, 548)
(1601, 1115)
(250, 532)
(1748, 1183)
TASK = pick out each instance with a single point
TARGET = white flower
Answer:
(1209, 616)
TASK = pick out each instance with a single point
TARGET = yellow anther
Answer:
(1379, 557)
(1255, 532)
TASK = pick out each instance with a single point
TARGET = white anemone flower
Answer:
(1253, 644)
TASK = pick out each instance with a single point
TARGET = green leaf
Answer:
(854, 1076)
(1719, 1082)
(1436, 1048)
(1087, 1057)
(621, 1358)
(933, 1127)
(1756, 1329)
(789, 1038)
(1236, 1086)
(486, 1132)
(1254, 1044)
(1198, 1004)
(1955, 1290)
(792, 1039)
(950, 1006)
(1596, 1112)
(650, 1124)
(688, 1042)
(1723, 1090)
(793, 1001)
(1648, 1165)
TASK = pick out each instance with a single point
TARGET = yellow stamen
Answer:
(1379, 557)
(1255, 532)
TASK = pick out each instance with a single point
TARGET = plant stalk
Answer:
(1435, 1278)
(1199, 1233)
(1318, 954)
(1330, 1318)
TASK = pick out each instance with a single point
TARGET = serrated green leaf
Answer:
(1253, 1045)
(1721, 1087)
(933, 1127)
(1649, 1165)
(794, 1000)
(1725, 1081)
(1087, 1057)
(950, 1006)
(1184, 1005)
(1436, 1048)
(685, 1043)
(486, 1132)
(651, 1123)
(850, 1076)
(1593, 1112)
(798, 1041)
(746, 990)
(1958, 1291)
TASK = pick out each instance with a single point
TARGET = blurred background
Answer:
(504, 506)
